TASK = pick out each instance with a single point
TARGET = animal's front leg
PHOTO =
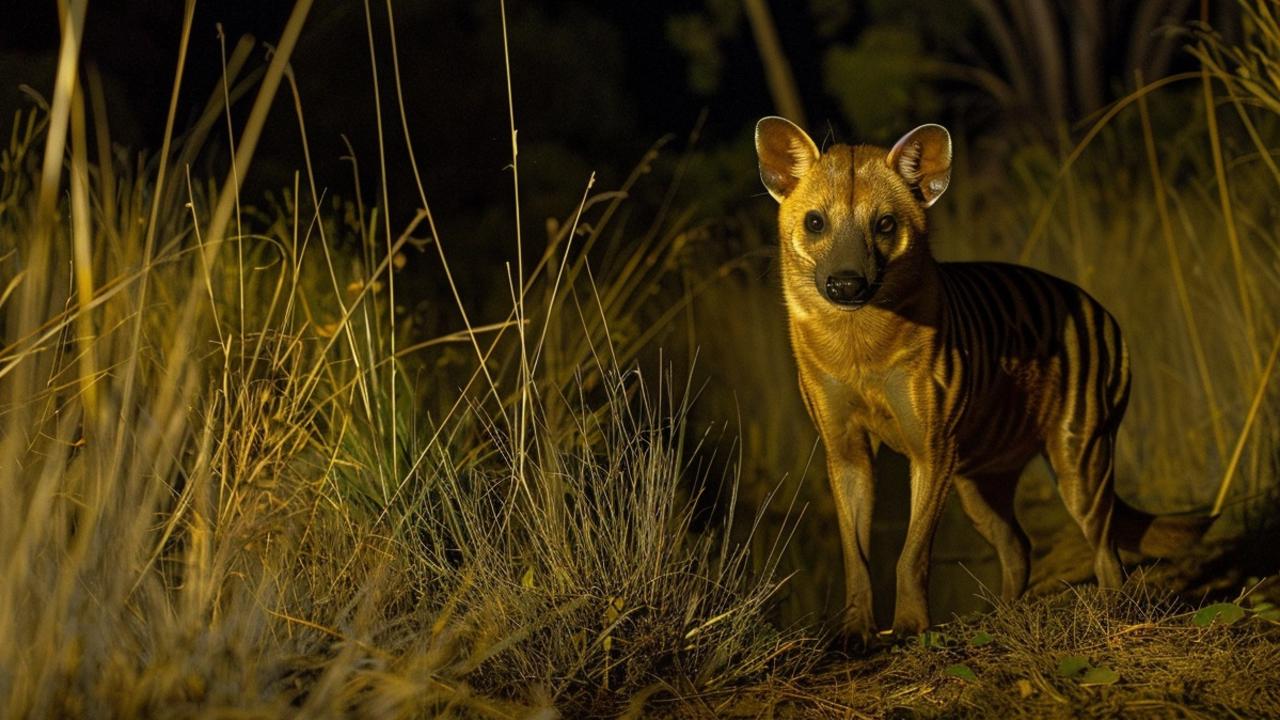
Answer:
(853, 489)
(930, 481)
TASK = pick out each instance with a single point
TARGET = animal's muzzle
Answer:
(849, 288)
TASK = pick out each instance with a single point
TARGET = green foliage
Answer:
(1218, 614)
(830, 17)
(1267, 611)
(1078, 668)
(1099, 676)
(698, 36)
(982, 638)
(692, 35)
(877, 82)
(1071, 666)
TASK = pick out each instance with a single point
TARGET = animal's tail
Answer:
(1159, 536)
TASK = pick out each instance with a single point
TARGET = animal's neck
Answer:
(896, 324)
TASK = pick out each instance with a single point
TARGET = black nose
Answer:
(848, 288)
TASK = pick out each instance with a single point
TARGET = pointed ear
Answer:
(923, 158)
(786, 153)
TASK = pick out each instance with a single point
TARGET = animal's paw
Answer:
(907, 625)
(852, 644)
(857, 634)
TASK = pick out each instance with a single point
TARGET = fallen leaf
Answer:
(1099, 676)
(1073, 665)
(1218, 613)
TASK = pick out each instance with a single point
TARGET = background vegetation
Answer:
(280, 433)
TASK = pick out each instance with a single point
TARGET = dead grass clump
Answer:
(579, 582)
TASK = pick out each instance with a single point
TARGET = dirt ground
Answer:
(1181, 639)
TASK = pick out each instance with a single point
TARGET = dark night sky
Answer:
(136, 42)
(595, 84)
(451, 59)
(601, 81)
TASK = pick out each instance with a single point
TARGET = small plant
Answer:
(962, 671)
(1078, 668)
(1224, 613)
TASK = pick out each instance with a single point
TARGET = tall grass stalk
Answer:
(1045, 212)
(1179, 280)
(1245, 431)
(1229, 219)
(523, 415)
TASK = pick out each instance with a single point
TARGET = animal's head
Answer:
(853, 217)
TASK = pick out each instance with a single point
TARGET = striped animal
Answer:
(968, 369)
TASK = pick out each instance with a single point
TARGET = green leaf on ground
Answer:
(1218, 613)
(981, 638)
(1099, 676)
(1270, 614)
(1073, 665)
(962, 671)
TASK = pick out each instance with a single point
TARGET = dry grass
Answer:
(234, 484)
(1019, 661)
(223, 494)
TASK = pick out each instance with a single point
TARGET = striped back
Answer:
(1023, 351)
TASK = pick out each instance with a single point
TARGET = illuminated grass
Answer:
(233, 480)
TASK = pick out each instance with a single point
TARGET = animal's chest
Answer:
(884, 401)
(983, 413)
(882, 404)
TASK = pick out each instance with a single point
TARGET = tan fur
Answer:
(880, 372)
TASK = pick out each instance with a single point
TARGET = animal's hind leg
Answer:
(1085, 467)
(988, 501)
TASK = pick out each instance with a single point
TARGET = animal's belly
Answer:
(996, 429)
(997, 442)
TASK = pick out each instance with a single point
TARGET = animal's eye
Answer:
(886, 224)
(814, 222)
